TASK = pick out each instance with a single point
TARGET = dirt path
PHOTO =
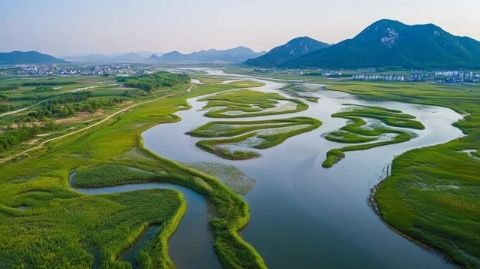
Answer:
(69, 91)
(17, 111)
(87, 127)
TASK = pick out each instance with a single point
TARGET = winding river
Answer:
(302, 215)
(305, 216)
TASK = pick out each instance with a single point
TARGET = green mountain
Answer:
(293, 49)
(389, 43)
(27, 57)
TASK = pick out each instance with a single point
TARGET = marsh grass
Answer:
(248, 103)
(432, 193)
(110, 174)
(65, 229)
(367, 136)
(276, 132)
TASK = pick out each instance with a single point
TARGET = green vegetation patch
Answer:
(11, 137)
(390, 117)
(110, 175)
(217, 147)
(64, 229)
(154, 81)
(248, 103)
(48, 83)
(333, 157)
(367, 136)
(68, 102)
(250, 134)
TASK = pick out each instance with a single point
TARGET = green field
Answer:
(367, 136)
(40, 108)
(49, 106)
(111, 175)
(250, 134)
(45, 224)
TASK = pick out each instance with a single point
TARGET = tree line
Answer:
(13, 136)
(151, 82)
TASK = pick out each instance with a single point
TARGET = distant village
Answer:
(439, 76)
(443, 76)
(449, 76)
(69, 70)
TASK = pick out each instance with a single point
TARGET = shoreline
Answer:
(375, 208)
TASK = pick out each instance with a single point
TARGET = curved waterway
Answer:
(193, 231)
(305, 216)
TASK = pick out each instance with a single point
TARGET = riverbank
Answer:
(58, 222)
(332, 216)
(430, 195)
(59, 226)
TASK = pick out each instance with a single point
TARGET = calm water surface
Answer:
(193, 231)
(302, 215)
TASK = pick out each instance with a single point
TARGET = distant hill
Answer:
(388, 43)
(235, 55)
(131, 57)
(28, 57)
(154, 58)
(293, 49)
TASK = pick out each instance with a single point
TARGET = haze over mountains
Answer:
(385, 43)
(235, 55)
(132, 57)
(388, 43)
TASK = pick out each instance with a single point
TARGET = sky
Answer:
(81, 27)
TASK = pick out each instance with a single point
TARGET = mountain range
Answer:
(295, 48)
(385, 43)
(132, 57)
(28, 57)
(389, 43)
(235, 55)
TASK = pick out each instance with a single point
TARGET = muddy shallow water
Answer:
(305, 216)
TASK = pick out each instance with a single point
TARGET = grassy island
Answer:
(249, 103)
(250, 134)
(366, 135)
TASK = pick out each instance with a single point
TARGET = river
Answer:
(305, 216)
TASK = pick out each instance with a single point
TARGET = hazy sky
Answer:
(72, 27)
